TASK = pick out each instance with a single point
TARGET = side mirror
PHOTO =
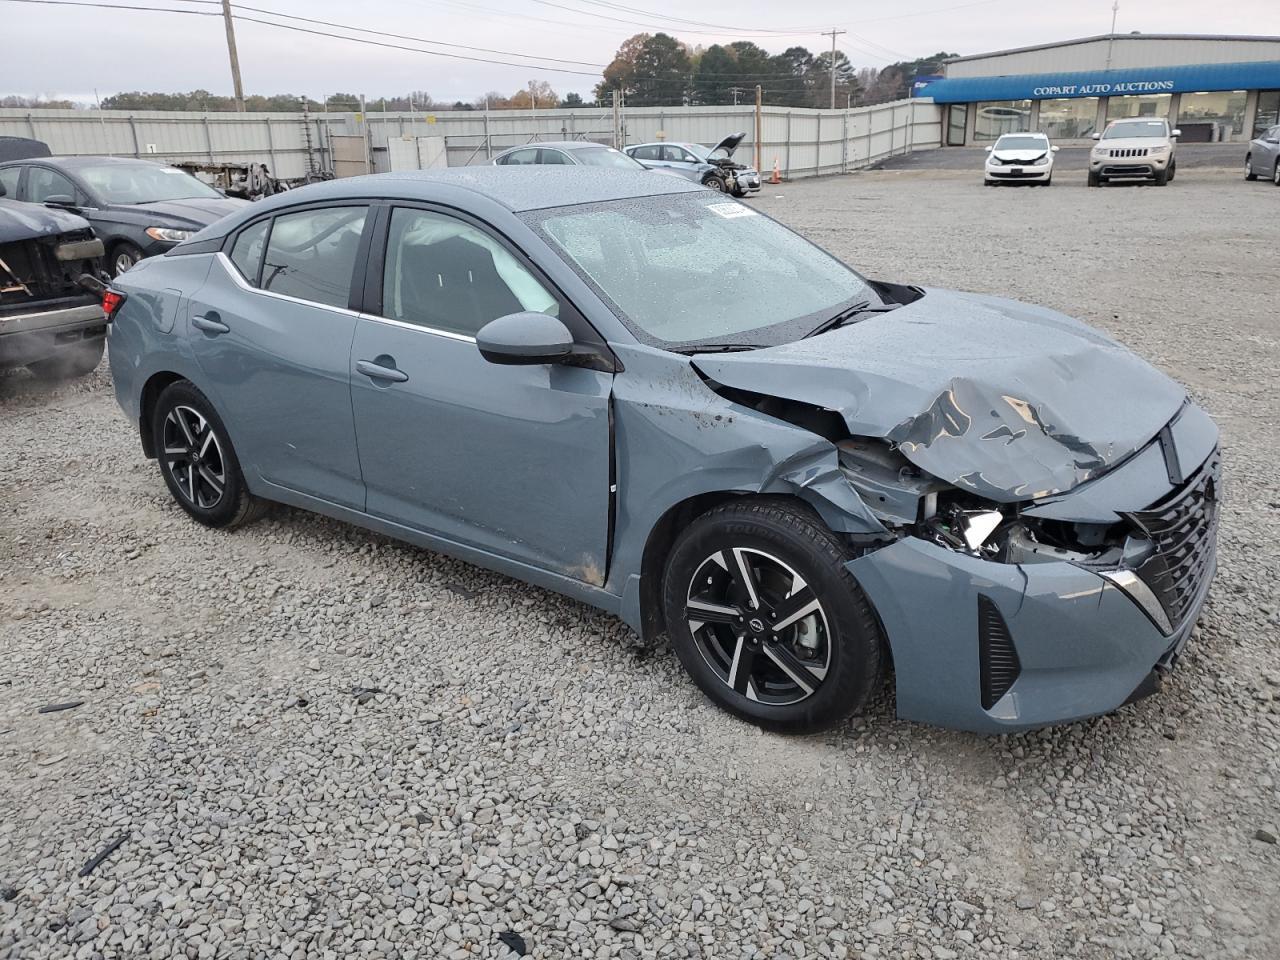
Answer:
(1176, 133)
(525, 338)
(60, 200)
(1266, 140)
(989, 149)
(1097, 136)
(1054, 149)
(3, 191)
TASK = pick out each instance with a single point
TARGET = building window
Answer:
(1073, 119)
(995, 118)
(1125, 108)
(1268, 114)
(1211, 117)
(956, 116)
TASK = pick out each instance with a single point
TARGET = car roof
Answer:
(560, 145)
(80, 162)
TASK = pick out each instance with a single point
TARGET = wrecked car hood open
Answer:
(1010, 401)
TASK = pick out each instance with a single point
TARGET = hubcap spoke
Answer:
(792, 667)
(741, 572)
(705, 612)
(193, 457)
(742, 665)
(185, 428)
(796, 607)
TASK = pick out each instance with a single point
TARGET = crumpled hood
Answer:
(191, 214)
(1019, 156)
(26, 221)
(1011, 401)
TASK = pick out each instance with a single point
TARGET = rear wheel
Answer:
(766, 619)
(197, 460)
(1275, 174)
(1248, 168)
(70, 362)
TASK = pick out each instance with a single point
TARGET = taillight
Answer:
(111, 302)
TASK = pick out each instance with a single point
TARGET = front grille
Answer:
(1129, 152)
(1184, 529)
(998, 664)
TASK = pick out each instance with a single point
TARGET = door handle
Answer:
(376, 371)
(209, 324)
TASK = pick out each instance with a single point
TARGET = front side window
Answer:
(43, 183)
(311, 254)
(448, 275)
(675, 155)
(660, 263)
(9, 178)
(143, 182)
(246, 253)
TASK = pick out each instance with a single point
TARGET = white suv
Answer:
(1137, 149)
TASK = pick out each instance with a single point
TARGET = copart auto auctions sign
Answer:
(1104, 89)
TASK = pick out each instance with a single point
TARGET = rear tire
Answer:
(70, 362)
(1248, 168)
(1275, 174)
(197, 461)
(801, 657)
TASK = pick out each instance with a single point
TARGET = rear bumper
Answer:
(1083, 646)
(28, 337)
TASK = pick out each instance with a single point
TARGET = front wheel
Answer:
(123, 256)
(1248, 168)
(197, 460)
(1173, 169)
(71, 361)
(1094, 179)
(715, 183)
(767, 620)
(1162, 177)
(1275, 175)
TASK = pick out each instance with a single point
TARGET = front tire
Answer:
(1275, 174)
(1248, 168)
(716, 183)
(1162, 177)
(767, 620)
(197, 461)
(71, 362)
(123, 256)
(1094, 179)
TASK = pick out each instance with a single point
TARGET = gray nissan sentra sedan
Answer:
(803, 476)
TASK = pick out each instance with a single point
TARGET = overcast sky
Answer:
(71, 51)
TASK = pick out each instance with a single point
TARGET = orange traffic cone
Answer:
(777, 174)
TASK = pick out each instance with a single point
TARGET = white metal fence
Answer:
(803, 142)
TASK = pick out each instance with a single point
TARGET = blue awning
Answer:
(1258, 75)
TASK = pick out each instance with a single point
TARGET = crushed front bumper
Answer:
(49, 327)
(1083, 646)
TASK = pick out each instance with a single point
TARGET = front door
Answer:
(272, 332)
(513, 460)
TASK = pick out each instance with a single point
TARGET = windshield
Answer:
(605, 157)
(144, 183)
(1022, 143)
(698, 150)
(1136, 128)
(693, 269)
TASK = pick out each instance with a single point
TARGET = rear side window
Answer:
(552, 157)
(519, 157)
(311, 255)
(649, 152)
(246, 254)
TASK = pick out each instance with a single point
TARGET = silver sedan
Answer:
(1263, 158)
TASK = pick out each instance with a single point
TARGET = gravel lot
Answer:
(321, 743)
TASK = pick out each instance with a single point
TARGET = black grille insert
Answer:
(1184, 531)
(998, 662)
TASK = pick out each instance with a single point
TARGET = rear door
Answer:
(271, 329)
(512, 460)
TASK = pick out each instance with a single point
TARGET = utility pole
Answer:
(1111, 40)
(235, 57)
(759, 99)
(833, 33)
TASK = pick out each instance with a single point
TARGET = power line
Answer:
(400, 36)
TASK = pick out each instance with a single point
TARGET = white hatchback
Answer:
(1020, 158)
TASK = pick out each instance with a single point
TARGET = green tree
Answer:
(621, 71)
(662, 72)
(572, 100)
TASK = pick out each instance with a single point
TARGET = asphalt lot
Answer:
(321, 743)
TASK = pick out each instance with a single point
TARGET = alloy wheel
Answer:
(193, 457)
(759, 626)
(1276, 176)
(123, 262)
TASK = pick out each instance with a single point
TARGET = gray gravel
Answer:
(321, 743)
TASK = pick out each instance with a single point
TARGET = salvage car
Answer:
(799, 474)
(136, 208)
(1263, 158)
(51, 317)
(566, 153)
(1134, 150)
(710, 166)
(1020, 158)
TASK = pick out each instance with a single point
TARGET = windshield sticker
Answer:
(731, 211)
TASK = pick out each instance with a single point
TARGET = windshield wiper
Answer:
(848, 313)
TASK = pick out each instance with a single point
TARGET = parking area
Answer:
(312, 741)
